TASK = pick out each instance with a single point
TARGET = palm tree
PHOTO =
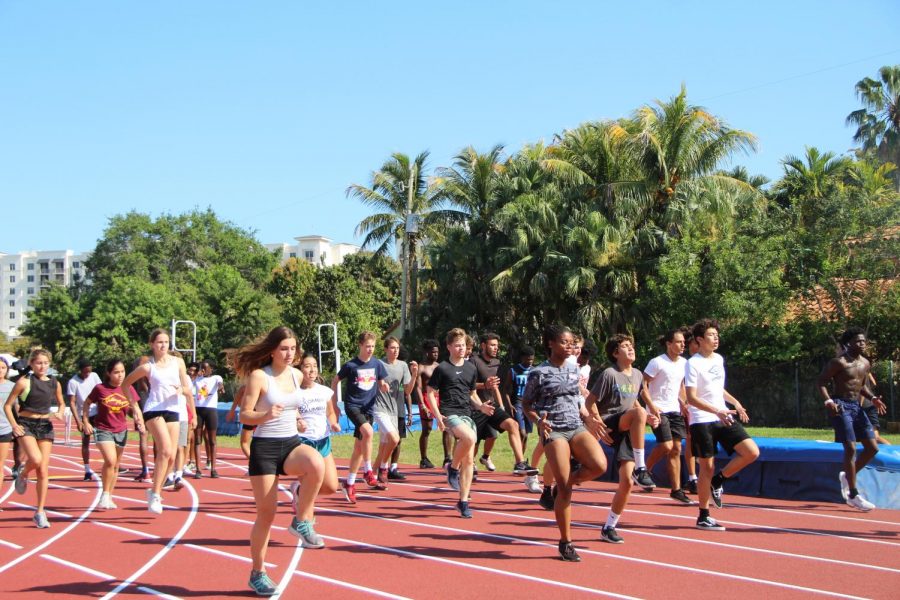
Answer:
(808, 181)
(411, 209)
(878, 122)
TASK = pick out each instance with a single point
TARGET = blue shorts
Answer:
(322, 446)
(525, 424)
(851, 424)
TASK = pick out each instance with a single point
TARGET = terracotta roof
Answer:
(821, 301)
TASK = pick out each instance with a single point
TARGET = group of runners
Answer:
(288, 414)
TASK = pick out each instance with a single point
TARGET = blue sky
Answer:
(267, 111)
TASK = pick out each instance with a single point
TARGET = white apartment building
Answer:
(315, 249)
(22, 277)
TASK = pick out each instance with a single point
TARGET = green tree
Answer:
(878, 121)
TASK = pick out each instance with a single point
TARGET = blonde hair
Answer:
(35, 352)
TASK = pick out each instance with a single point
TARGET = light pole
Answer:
(410, 225)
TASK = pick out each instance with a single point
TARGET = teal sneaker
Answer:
(308, 536)
(261, 584)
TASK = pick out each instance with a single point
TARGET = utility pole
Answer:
(409, 224)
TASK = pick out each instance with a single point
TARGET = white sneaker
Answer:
(845, 486)
(860, 503)
(155, 506)
(533, 485)
(188, 470)
(106, 502)
(488, 463)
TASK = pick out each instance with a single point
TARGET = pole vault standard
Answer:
(332, 329)
(193, 335)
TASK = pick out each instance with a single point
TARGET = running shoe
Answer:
(691, 486)
(187, 469)
(177, 484)
(453, 478)
(567, 552)
(382, 479)
(641, 477)
(295, 492)
(106, 502)
(709, 524)
(261, 584)
(464, 511)
(213, 474)
(716, 493)
(196, 474)
(40, 520)
(860, 503)
(523, 468)
(143, 477)
(308, 536)
(349, 492)
(21, 482)
(845, 486)
(169, 482)
(395, 475)
(370, 478)
(14, 472)
(91, 476)
(488, 463)
(154, 503)
(532, 483)
(426, 464)
(680, 496)
(609, 535)
(447, 462)
(123, 470)
(208, 465)
(547, 499)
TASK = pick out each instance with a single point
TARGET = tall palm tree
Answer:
(808, 181)
(411, 209)
(878, 122)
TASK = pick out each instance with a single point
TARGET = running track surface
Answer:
(408, 542)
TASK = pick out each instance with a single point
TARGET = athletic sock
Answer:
(612, 520)
(179, 474)
(639, 459)
(368, 466)
(384, 465)
(692, 478)
(854, 492)
(351, 478)
(87, 469)
(393, 466)
(704, 513)
(485, 456)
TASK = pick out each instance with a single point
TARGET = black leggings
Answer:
(207, 418)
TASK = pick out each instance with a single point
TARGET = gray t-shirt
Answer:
(5, 388)
(555, 390)
(392, 402)
(616, 391)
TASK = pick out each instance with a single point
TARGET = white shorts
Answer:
(387, 424)
(182, 433)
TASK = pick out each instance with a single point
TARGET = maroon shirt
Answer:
(112, 407)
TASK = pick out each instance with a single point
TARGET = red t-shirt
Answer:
(112, 407)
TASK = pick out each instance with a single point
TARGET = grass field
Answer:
(502, 454)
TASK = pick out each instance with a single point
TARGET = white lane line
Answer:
(443, 560)
(55, 513)
(352, 586)
(134, 532)
(77, 567)
(805, 514)
(67, 488)
(169, 545)
(62, 533)
(292, 566)
(226, 554)
(152, 592)
(682, 517)
(651, 563)
(10, 545)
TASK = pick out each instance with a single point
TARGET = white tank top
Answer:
(165, 387)
(286, 423)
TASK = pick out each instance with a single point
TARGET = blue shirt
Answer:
(362, 381)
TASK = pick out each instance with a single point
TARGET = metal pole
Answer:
(172, 338)
(797, 393)
(334, 350)
(891, 389)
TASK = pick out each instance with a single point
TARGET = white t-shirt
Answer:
(206, 391)
(81, 389)
(707, 375)
(666, 383)
(312, 408)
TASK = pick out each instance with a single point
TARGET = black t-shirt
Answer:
(485, 369)
(455, 385)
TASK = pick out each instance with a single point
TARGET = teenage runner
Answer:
(552, 398)
(109, 425)
(77, 390)
(6, 436)
(431, 352)
(514, 380)
(270, 402)
(208, 386)
(712, 422)
(169, 383)
(38, 392)
(848, 374)
(401, 378)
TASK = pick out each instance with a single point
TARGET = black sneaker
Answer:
(567, 552)
(680, 496)
(641, 477)
(446, 464)
(453, 478)
(464, 511)
(709, 524)
(691, 486)
(426, 464)
(609, 535)
(213, 474)
(716, 493)
(546, 500)
(395, 475)
(523, 468)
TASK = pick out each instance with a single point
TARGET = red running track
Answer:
(408, 542)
